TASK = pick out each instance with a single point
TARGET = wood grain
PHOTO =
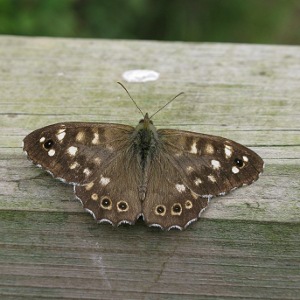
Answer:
(247, 243)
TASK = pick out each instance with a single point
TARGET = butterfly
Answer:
(121, 173)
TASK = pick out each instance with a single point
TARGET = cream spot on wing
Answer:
(51, 152)
(104, 180)
(72, 150)
(194, 148)
(209, 149)
(245, 158)
(197, 181)
(228, 151)
(180, 187)
(235, 170)
(97, 160)
(80, 136)
(190, 169)
(178, 154)
(94, 197)
(194, 195)
(74, 165)
(87, 171)
(211, 178)
(188, 204)
(89, 186)
(42, 139)
(215, 164)
(61, 134)
(96, 140)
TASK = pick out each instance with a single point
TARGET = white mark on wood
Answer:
(140, 75)
(72, 150)
(98, 263)
(235, 170)
(180, 188)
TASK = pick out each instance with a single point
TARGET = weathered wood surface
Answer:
(245, 246)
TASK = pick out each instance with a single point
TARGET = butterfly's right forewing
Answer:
(76, 152)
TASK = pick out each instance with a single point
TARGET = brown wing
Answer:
(95, 158)
(76, 152)
(192, 168)
(112, 195)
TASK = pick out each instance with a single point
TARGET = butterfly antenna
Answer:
(121, 84)
(167, 104)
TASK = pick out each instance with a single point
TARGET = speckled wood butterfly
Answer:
(121, 173)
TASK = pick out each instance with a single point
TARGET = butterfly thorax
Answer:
(145, 141)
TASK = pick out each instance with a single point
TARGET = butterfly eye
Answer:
(239, 162)
(48, 144)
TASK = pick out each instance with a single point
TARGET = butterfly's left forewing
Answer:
(211, 165)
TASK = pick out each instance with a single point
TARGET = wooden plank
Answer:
(66, 256)
(247, 243)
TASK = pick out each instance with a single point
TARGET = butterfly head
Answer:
(146, 123)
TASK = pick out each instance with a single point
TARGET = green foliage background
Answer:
(243, 21)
